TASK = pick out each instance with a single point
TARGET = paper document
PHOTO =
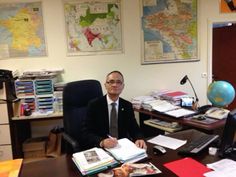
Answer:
(168, 142)
(126, 150)
(180, 112)
(163, 106)
(222, 168)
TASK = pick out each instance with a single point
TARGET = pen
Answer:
(109, 136)
(112, 138)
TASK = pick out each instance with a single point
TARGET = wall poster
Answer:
(169, 31)
(21, 30)
(227, 6)
(93, 27)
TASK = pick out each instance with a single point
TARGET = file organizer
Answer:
(43, 87)
(45, 102)
(24, 89)
(37, 94)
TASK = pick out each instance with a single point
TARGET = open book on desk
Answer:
(127, 151)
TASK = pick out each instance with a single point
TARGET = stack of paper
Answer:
(138, 101)
(93, 160)
(222, 168)
(174, 95)
(163, 106)
(127, 151)
(181, 112)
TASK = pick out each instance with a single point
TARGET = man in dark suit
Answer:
(97, 130)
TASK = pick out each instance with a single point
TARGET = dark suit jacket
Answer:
(96, 126)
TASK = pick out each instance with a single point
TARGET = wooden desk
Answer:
(145, 115)
(21, 130)
(64, 167)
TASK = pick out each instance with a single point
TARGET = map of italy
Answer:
(22, 32)
(170, 30)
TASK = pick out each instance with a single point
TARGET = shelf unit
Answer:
(5, 140)
(35, 94)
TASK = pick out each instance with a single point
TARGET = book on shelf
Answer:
(127, 151)
(93, 161)
(10, 168)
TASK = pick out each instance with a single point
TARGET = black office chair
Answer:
(76, 96)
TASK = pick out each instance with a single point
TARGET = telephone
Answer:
(217, 113)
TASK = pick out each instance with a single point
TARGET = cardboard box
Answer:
(34, 147)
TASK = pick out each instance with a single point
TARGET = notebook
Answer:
(187, 167)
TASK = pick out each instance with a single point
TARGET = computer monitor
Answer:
(228, 145)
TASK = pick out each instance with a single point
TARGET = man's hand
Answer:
(141, 144)
(109, 143)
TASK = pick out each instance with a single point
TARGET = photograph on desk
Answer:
(132, 169)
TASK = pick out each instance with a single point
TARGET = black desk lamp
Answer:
(182, 82)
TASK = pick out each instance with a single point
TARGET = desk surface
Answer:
(64, 167)
(36, 117)
(183, 121)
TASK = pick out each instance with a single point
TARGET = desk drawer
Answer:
(5, 152)
(5, 135)
(3, 114)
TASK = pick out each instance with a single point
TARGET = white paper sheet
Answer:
(168, 142)
(222, 168)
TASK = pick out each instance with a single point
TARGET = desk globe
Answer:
(220, 93)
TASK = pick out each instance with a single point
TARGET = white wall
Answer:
(139, 79)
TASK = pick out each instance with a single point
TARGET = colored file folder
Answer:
(187, 167)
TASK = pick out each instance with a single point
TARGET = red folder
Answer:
(187, 167)
(175, 93)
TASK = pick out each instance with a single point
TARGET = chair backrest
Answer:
(76, 96)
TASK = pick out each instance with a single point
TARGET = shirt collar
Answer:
(109, 101)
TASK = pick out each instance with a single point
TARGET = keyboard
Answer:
(196, 145)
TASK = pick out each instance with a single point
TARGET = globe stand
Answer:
(195, 105)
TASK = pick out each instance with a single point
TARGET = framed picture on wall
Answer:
(93, 27)
(227, 6)
(169, 31)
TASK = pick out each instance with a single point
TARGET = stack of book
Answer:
(174, 96)
(93, 161)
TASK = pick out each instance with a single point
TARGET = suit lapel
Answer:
(105, 113)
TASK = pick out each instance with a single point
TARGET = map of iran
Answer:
(21, 29)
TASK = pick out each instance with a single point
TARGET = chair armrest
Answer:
(74, 144)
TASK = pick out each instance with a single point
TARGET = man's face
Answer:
(114, 84)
